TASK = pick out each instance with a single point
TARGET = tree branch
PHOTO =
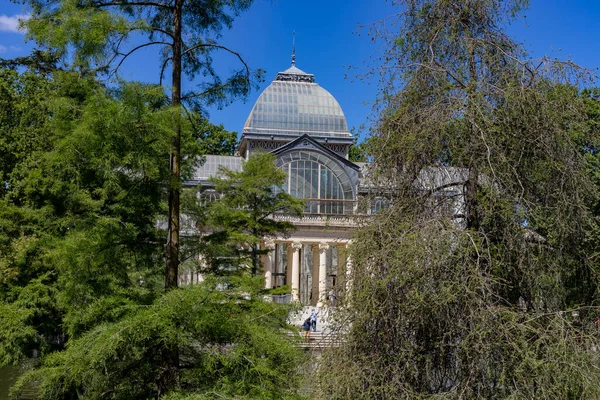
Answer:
(162, 70)
(157, 29)
(209, 90)
(218, 46)
(133, 3)
(125, 55)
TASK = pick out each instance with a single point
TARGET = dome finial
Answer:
(293, 48)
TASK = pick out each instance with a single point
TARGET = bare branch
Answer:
(125, 55)
(198, 46)
(162, 70)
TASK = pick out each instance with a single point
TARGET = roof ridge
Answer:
(295, 74)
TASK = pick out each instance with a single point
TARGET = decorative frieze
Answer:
(319, 220)
(340, 149)
(265, 144)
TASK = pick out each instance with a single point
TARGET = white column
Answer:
(269, 246)
(296, 246)
(341, 271)
(315, 275)
(348, 274)
(288, 265)
(322, 273)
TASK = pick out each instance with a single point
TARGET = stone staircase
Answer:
(323, 317)
(323, 337)
(318, 340)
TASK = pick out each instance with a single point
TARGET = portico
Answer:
(310, 267)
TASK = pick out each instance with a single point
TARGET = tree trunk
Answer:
(255, 260)
(168, 379)
(172, 250)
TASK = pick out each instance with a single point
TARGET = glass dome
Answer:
(294, 105)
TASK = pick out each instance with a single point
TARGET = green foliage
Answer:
(213, 139)
(43, 62)
(104, 188)
(426, 319)
(23, 113)
(28, 321)
(476, 282)
(231, 344)
(235, 224)
(285, 289)
(358, 151)
(249, 199)
(17, 335)
(81, 197)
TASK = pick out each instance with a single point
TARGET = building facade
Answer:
(303, 125)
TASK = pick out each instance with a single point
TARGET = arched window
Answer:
(320, 181)
(208, 195)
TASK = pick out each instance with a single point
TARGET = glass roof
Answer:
(211, 166)
(295, 106)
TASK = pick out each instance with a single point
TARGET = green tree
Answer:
(81, 195)
(358, 150)
(22, 115)
(233, 345)
(213, 139)
(243, 216)
(31, 320)
(43, 62)
(81, 256)
(475, 282)
(100, 35)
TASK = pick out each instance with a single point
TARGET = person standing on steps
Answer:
(313, 319)
(306, 328)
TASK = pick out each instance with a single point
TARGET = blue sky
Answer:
(327, 45)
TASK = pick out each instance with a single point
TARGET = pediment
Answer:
(306, 142)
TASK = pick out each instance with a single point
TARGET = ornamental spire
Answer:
(293, 48)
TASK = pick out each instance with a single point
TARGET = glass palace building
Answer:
(303, 125)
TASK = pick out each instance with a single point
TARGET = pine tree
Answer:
(245, 213)
(99, 36)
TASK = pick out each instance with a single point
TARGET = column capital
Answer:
(269, 244)
(323, 247)
(296, 246)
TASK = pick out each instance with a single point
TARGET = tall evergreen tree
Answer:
(79, 202)
(474, 283)
(101, 35)
(80, 256)
(244, 214)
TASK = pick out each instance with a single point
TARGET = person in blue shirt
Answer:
(306, 328)
(313, 319)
